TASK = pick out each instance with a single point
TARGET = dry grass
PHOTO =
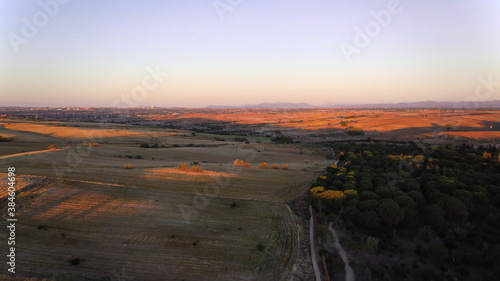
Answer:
(145, 230)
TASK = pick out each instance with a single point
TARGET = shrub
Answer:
(260, 247)
(234, 205)
(372, 244)
(263, 165)
(448, 127)
(275, 166)
(284, 167)
(52, 146)
(306, 161)
(128, 166)
(144, 145)
(183, 166)
(197, 168)
(138, 157)
(196, 162)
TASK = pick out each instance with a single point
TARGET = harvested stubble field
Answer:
(113, 227)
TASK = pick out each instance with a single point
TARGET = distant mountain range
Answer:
(267, 105)
(420, 104)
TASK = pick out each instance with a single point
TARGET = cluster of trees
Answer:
(353, 131)
(241, 163)
(185, 167)
(281, 139)
(452, 191)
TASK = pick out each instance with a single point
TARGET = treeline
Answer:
(448, 195)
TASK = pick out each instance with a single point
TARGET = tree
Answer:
(197, 168)
(434, 215)
(453, 207)
(183, 166)
(369, 219)
(351, 213)
(369, 205)
(390, 212)
(263, 165)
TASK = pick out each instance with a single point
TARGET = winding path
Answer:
(349, 273)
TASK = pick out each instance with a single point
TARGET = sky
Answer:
(196, 53)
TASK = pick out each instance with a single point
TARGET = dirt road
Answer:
(349, 273)
(313, 251)
(28, 153)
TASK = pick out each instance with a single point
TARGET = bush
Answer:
(52, 146)
(263, 165)
(144, 145)
(371, 244)
(197, 168)
(128, 166)
(260, 247)
(275, 166)
(183, 166)
(138, 157)
(284, 167)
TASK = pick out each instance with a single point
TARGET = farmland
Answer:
(86, 214)
(199, 195)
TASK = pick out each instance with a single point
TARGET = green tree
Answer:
(453, 207)
(369, 219)
(434, 215)
(351, 213)
(390, 212)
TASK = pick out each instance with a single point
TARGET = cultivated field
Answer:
(154, 221)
